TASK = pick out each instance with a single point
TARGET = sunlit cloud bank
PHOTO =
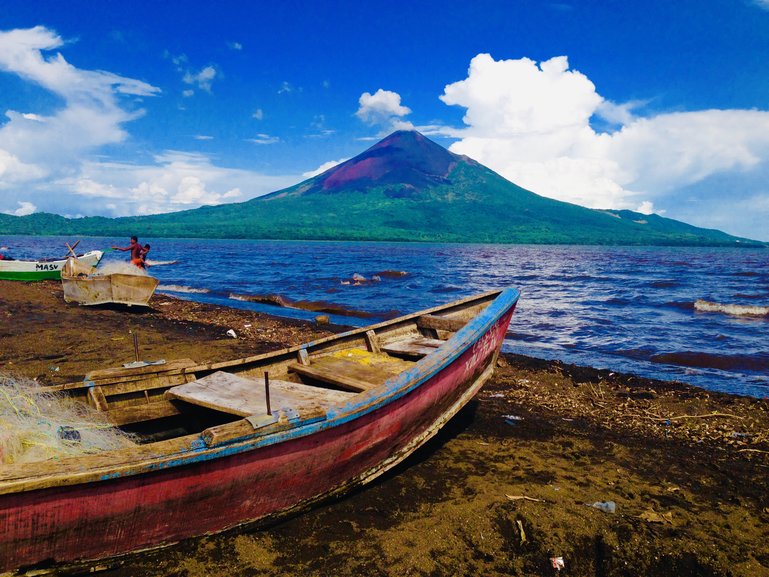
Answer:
(33, 145)
(178, 181)
(532, 123)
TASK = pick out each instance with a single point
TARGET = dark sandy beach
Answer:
(503, 489)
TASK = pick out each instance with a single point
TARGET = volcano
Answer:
(406, 161)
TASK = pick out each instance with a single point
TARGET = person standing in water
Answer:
(136, 251)
(145, 250)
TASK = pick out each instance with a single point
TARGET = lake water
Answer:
(698, 315)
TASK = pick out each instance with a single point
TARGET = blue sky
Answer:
(119, 108)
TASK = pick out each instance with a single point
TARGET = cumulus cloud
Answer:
(191, 190)
(534, 124)
(13, 170)
(383, 108)
(324, 167)
(202, 79)
(25, 208)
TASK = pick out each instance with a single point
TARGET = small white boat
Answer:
(84, 285)
(35, 270)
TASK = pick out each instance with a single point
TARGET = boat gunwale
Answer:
(190, 449)
(405, 319)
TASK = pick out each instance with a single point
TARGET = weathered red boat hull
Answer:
(123, 514)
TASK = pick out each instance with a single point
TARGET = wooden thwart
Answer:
(343, 373)
(143, 412)
(244, 397)
(413, 347)
(440, 323)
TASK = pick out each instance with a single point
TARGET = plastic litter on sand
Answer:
(605, 506)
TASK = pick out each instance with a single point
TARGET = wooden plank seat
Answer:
(348, 374)
(451, 325)
(245, 397)
(413, 347)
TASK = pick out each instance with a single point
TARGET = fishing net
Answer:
(38, 425)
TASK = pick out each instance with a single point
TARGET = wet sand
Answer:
(500, 491)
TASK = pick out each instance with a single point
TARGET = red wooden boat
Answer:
(344, 409)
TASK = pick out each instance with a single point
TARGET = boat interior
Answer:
(232, 400)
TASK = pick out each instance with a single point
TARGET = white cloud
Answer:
(21, 52)
(87, 187)
(203, 137)
(91, 116)
(645, 207)
(258, 114)
(324, 167)
(383, 108)
(50, 161)
(177, 180)
(234, 46)
(202, 79)
(13, 171)
(532, 123)
(25, 208)
(263, 139)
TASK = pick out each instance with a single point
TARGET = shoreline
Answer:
(501, 490)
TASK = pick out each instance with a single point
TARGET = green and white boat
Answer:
(34, 270)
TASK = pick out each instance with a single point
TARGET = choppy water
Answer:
(699, 315)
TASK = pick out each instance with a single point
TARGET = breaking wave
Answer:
(182, 289)
(731, 309)
(160, 262)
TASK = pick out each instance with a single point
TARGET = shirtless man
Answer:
(136, 251)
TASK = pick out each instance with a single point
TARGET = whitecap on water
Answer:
(160, 262)
(181, 289)
(731, 309)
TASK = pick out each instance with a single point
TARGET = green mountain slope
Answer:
(404, 188)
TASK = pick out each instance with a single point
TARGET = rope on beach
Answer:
(38, 425)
